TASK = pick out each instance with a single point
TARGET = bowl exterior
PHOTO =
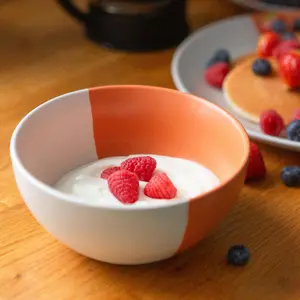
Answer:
(128, 236)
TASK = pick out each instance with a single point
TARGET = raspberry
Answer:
(296, 115)
(271, 122)
(284, 47)
(267, 43)
(160, 187)
(142, 166)
(256, 166)
(216, 74)
(107, 172)
(124, 185)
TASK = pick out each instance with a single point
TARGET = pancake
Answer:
(249, 95)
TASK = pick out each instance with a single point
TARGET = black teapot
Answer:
(133, 25)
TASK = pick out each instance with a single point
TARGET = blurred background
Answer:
(45, 51)
(40, 40)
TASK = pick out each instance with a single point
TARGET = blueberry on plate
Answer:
(221, 55)
(279, 26)
(213, 60)
(296, 25)
(238, 255)
(290, 176)
(293, 131)
(261, 67)
(288, 36)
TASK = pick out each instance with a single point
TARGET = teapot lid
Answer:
(131, 6)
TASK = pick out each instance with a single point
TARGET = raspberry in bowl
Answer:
(145, 211)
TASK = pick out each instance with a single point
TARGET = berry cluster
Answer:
(123, 180)
(271, 123)
(279, 25)
(290, 175)
(217, 68)
(283, 45)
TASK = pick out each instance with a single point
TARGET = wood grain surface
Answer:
(43, 53)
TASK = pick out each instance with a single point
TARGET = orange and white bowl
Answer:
(83, 126)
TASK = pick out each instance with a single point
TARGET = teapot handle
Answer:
(72, 9)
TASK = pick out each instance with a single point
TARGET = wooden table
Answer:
(44, 54)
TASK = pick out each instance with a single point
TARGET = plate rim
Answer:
(258, 5)
(259, 136)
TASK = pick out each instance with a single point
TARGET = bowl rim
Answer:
(75, 200)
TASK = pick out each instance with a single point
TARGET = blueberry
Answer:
(293, 131)
(221, 55)
(288, 36)
(261, 67)
(290, 176)
(238, 255)
(296, 25)
(279, 26)
(212, 61)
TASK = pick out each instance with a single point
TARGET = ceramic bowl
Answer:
(80, 127)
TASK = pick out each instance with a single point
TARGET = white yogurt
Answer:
(190, 179)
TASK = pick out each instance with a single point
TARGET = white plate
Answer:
(258, 5)
(237, 34)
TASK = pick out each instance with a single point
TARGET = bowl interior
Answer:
(80, 127)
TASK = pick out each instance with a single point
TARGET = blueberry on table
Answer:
(293, 131)
(221, 55)
(238, 255)
(279, 26)
(296, 25)
(261, 67)
(290, 176)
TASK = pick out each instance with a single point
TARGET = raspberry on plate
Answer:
(256, 165)
(284, 47)
(261, 67)
(142, 166)
(293, 131)
(267, 43)
(289, 68)
(296, 115)
(107, 172)
(216, 74)
(160, 187)
(124, 185)
(271, 122)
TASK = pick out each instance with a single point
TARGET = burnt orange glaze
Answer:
(131, 119)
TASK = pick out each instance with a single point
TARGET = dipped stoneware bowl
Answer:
(80, 127)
